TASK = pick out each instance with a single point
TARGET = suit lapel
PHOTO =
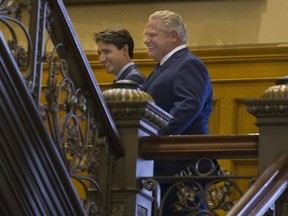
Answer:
(156, 72)
(152, 76)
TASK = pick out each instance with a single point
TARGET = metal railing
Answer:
(65, 96)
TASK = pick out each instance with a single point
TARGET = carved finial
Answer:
(126, 90)
(126, 101)
(280, 90)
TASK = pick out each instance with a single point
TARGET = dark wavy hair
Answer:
(116, 36)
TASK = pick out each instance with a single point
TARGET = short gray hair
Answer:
(171, 21)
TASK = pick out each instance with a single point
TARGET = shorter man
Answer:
(115, 49)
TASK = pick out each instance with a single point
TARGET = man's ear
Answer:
(174, 35)
(126, 49)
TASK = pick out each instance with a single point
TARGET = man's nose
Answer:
(101, 58)
(146, 40)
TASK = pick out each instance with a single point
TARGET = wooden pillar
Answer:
(135, 116)
(271, 111)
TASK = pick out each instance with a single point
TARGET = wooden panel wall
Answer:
(236, 72)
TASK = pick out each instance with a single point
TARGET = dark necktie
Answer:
(152, 75)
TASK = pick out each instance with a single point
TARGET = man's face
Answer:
(112, 58)
(158, 41)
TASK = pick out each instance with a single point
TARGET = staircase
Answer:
(64, 150)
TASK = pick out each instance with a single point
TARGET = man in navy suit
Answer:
(115, 49)
(180, 84)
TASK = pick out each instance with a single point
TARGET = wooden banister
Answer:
(265, 191)
(33, 173)
(197, 146)
(38, 123)
(81, 71)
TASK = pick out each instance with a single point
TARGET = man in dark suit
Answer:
(115, 49)
(180, 84)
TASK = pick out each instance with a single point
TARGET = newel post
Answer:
(271, 112)
(135, 115)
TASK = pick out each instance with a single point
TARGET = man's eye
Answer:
(106, 52)
(151, 35)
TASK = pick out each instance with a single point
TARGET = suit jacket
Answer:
(182, 87)
(132, 73)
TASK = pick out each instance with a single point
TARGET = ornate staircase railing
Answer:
(193, 191)
(54, 121)
(55, 130)
(34, 178)
(266, 194)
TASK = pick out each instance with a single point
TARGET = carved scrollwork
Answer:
(11, 23)
(66, 106)
(193, 191)
(118, 209)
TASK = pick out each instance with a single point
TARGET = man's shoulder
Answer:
(135, 75)
(135, 72)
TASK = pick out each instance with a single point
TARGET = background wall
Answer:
(235, 74)
(209, 22)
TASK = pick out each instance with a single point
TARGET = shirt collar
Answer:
(123, 69)
(164, 59)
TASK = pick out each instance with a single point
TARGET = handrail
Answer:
(197, 146)
(265, 191)
(81, 70)
(51, 133)
(33, 174)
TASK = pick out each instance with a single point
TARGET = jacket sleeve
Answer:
(191, 88)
